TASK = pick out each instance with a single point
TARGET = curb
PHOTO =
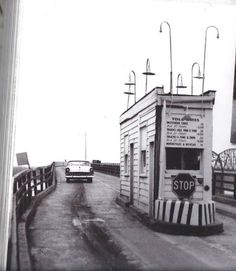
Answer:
(225, 200)
(225, 213)
(228, 202)
(171, 228)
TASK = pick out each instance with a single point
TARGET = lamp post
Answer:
(171, 73)
(204, 59)
(147, 72)
(130, 83)
(199, 76)
(179, 85)
(85, 146)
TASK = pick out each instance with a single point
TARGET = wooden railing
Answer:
(224, 173)
(107, 168)
(224, 183)
(28, 184)
(29, 187)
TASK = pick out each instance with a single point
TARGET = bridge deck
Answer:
(80, 227)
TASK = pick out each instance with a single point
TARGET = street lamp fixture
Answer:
(204, 59)
(131, 83)
(180, 84)
(147, 73)
(171, 73)
(199, 76)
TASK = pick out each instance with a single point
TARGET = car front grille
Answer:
(79, 174)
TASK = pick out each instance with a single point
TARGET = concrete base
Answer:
(172, 228)
(200, 213)
(190, 230)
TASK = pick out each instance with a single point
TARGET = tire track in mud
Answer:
(95, 232)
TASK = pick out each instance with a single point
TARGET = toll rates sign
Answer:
(183, 185)
(181, 133)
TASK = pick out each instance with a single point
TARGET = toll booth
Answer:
(165, 163)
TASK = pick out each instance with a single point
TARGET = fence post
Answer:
(41, 178)
(23, 202)
(51, 169)
(234, 186)
(35, 182)
(46, 172)
(29, 190)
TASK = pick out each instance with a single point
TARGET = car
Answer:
(79, 169)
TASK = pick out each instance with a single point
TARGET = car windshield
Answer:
(78, 163)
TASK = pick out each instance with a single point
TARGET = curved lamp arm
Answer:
(199, 75)
(171, 73)
(204, 58)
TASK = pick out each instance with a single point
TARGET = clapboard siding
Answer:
(151, 127)
(138, 116)
(143, 204)
(151, 133)
(132, 125)
(144, 186)
(144, 180)
(125, 188)
(149, 114)
(125, 192)
(129, 123)
(148, 100)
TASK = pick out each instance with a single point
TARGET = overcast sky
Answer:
(75, 56)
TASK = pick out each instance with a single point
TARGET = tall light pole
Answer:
(204, 59)
(171, 73)
(85, 146)
(134, 85)
(199, 76)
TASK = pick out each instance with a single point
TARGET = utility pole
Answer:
(85, 146)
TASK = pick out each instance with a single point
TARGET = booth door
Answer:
(151, 179)
(131, 172)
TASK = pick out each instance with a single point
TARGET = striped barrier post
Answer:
(185, 212)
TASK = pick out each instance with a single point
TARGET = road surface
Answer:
(80, 227)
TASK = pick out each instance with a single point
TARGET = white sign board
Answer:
(184, 133)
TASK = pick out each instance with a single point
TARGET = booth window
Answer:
(181, 158)
(143, 149)
(126, 150)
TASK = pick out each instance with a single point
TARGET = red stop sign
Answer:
(183, 185)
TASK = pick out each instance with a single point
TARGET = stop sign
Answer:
(183, 185)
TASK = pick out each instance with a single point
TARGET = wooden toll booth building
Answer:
(165, 161)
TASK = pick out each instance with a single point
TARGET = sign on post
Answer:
(22, 159)
(184, 185)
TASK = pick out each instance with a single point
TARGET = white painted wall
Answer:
(142, 115)
(8, 35)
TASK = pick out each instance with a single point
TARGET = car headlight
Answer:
(67, 169)
(91, 170)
